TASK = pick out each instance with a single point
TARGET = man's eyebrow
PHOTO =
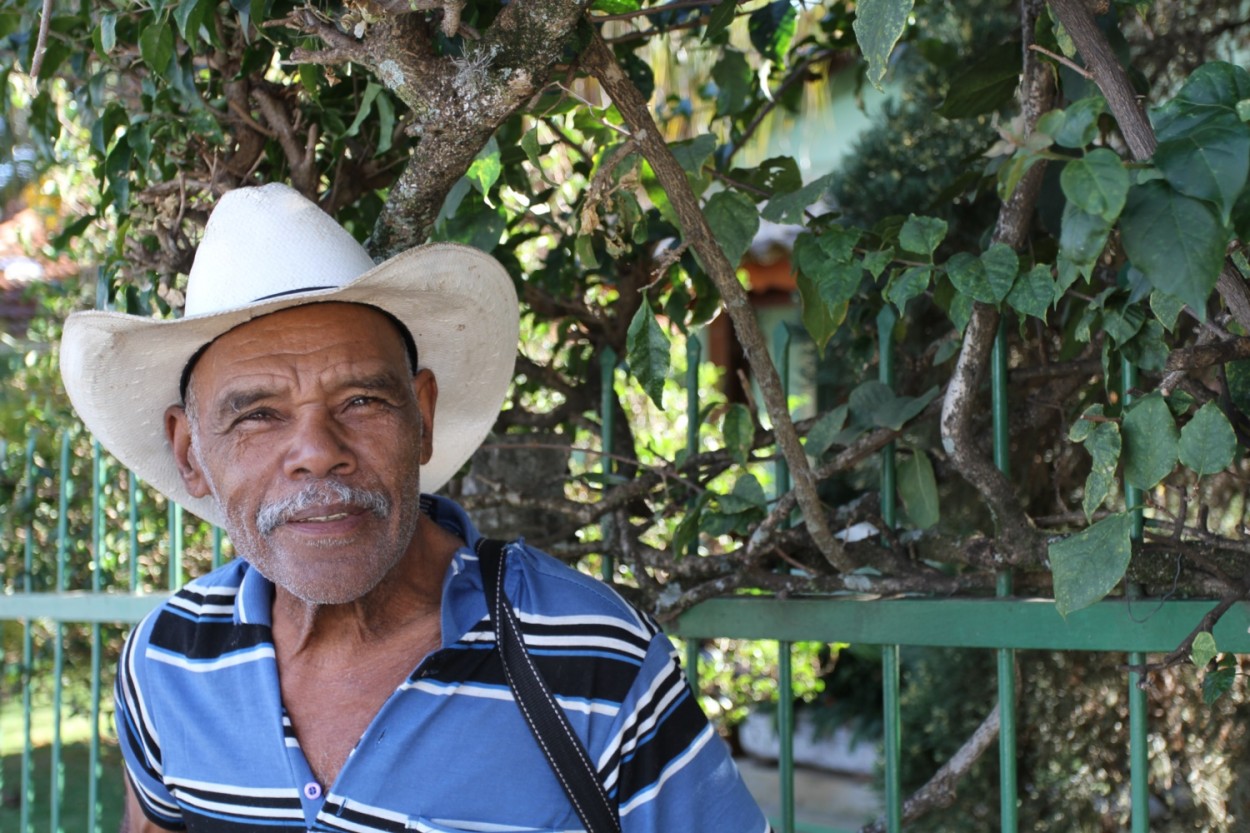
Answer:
(377, 381)
(239, 400)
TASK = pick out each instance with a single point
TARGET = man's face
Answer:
(308, 429)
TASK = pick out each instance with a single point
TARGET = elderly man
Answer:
(343, 673)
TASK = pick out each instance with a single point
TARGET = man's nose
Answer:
(318, 447)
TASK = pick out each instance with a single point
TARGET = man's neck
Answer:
(406, 602)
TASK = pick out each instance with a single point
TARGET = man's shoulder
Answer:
(553, 588)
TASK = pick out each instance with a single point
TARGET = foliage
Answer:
(1016, 199)
(1073, 744)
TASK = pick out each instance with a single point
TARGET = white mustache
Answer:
(318, 493)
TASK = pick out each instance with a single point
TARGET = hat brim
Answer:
(122, 371)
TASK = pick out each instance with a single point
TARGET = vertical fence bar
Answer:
(607, 398)
(785, 733)
(58, 658)
(893, 732)
(890, 684)
(785, 669)
(175, 545)
(132, 513)
(694, 355)
(217, 556)
(27, 799)
(97, 547)
(1139, 765)
(1008, 791)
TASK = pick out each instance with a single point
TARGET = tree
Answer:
(1084, 205)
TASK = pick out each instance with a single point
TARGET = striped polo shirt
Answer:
(208, 747)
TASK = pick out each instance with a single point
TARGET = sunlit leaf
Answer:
(1203, 649)
(648, 352)
(738, 429)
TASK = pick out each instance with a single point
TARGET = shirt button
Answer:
(312, 791)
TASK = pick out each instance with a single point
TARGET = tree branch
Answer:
(939, 791)
(1108, 74)
(633, 107)
(1021, 542)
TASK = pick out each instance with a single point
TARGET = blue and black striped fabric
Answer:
(208, 747)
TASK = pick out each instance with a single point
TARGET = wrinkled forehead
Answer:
(332, 320)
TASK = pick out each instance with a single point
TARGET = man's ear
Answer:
(425, 387)
(178, 431)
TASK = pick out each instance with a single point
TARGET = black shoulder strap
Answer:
(565, 753)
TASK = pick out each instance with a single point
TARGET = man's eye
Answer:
(363, 400)
(262, 415)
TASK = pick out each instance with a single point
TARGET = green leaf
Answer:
(875, 262)
(734, 220)
(1034, 292)
(738, 429)
(533, 153)
(873, 403)
(734, 79)
(1082, 237)
(386, 123)
(1167, 308)
(1207, 441)
(1217, 683)
(1122, 320)
(190, 15)
(967, 273)
(772, 29)
(1148, 350)
(1150, 442)
(1203, 649)
(791, 208)
(1097, 184)
(922, 235)
(747, 489)
(910, 284)
(366, 107)
(719, 20)
(156, 47)
(1001, 265)
(1104, 445)
(1177, 242)
(648, 350)
(1210, 163)
(693, 154)
(986, 85)
(1080, 122)
(822, 435)
(918, 488)
(1083, 427)
(878, 26)
(827, 279)
(1088, 565)
(108, 32)
(1211, 93)
(775, 175)
(485, 169)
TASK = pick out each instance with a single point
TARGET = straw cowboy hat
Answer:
(267, 249)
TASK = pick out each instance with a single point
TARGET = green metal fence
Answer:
(71, 500)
